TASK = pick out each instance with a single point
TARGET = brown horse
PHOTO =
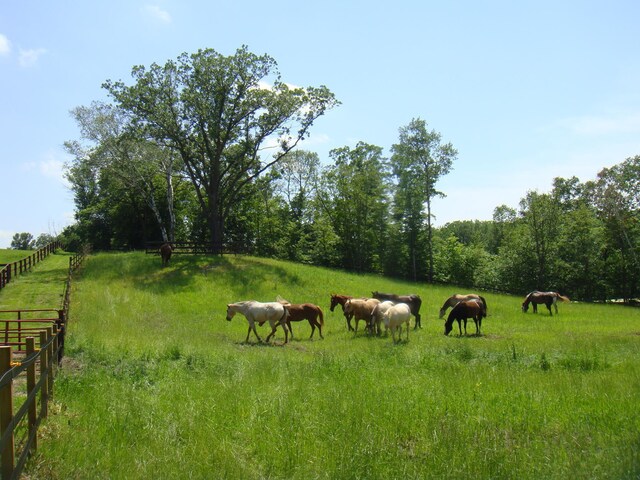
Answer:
(414, 302)
(462, 311)
(361, 309)
(304, 311)
(341, 300)
(453, 300)
(548, 298)
(165, 253)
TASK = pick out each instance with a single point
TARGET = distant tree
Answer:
(217, 114)
(418, 160)
(22, 241)
(43, 240)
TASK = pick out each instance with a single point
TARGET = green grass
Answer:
(8, 255)
(157, 384)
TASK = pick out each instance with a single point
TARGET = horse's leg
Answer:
(465, 326)
(313, 327)
(555, 304)
(252, 326)
(407, 326)
(549, 308)
(460, 326)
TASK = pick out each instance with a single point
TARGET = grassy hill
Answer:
(157, 384)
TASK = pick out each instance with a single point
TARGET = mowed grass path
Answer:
(157, 384)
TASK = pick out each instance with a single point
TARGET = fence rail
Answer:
(18, 338)
(13, 269)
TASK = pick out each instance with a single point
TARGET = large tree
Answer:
(219, 114)
(418, 161)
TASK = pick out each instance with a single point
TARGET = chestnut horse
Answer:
(414, 302)
(548, 298)
(462, 311)
(165, 253)
(453, 300)
(341, 300)
(304, 311)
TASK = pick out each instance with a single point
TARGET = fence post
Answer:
(44, 390)
(31, 385)
(6, 414)
(50, 361)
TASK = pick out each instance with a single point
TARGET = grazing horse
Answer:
(453, 300)
(462, 311)
(165, 253)
(273, 312)
(378, 312)
(548, 298)
(361, 309)
(304, 311)
(414, 302)
(341, 300)
(394, 317)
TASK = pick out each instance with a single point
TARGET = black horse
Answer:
(414, 302)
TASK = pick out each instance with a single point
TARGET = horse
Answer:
(394, 317)
(377, 313)
(273, 312)
(165, 253)
(462, 311)
(341, 300)
(304, 311)
(548, 298)
(453, 300)
(414, 302)
(361, 309)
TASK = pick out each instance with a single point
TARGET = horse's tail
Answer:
(484, 306)
(321, 316)
(563, 298)
(282, 301)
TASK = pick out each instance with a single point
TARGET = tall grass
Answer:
(157, 384)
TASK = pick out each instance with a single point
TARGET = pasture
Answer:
(157, 384)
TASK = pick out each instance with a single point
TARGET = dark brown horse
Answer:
(458, 297)
(305, 311)
(165, 253)
(548, 298)
(341, 300)
(463, 311)
(414, 302)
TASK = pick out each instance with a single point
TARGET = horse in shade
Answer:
(257, 312)
(453, 300)
(547, 298)
(462, 311)
(341, 300)
(165, 253)
(414, 302)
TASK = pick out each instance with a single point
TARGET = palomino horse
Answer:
(304, 311)
(462, 311)
(548, 298)
(256, 312)
(165, 253)
(414, 302)
(361, 309)
(341, 300)
(453, 300)
(395, 317)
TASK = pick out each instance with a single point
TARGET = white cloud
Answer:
(28, 58)
(5, 45)
(157, 13)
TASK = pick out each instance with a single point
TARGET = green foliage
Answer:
(157, 384)
(23, 241)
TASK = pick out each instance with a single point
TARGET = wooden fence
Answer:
(11, 270)
(19, 428)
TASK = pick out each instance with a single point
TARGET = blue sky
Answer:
(525, 90)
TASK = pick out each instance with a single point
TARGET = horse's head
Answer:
(525, 307)
(374, 294)
(448, 326)
(230, 313)
(334, 302)
(442, 312)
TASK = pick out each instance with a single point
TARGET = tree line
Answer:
(205, 148)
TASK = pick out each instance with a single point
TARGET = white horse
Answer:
(394, 317)
(273, 312)
(377, 314)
